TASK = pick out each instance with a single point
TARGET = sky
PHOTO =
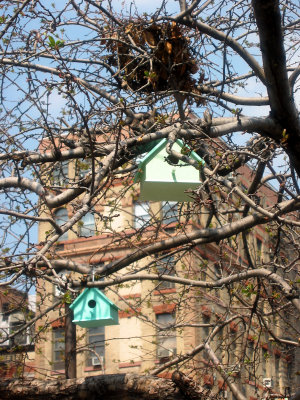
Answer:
(145, 6)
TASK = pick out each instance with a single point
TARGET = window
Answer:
(277, 366)
(141, 215)
(58, 349)
(218, 343)
(290, 365)
(20, 338)
(4, 333)
(218, 273)
(169, 211)
(203, 268)
(60, 173)
(96, 338)
(264, 358)
(232, 353)
(83, 167)
(5, 311)
(258, 249)
(61, 217)
(206, 321)
(251, 350)
(166, 339)
(87, 225)
(166, 266)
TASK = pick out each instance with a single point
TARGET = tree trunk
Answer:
(108, 387)
(70, 344)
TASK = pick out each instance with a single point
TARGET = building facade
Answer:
(162, 320)
(16, 344)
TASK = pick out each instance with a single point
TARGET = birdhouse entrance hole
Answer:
(92, 304)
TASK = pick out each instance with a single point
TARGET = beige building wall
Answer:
(132, 346)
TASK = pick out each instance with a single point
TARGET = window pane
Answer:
(83, 167)
(165, 320)
(59, 346)
(58, 349)
(169, 212)
(141, 215)
(97, 330)
(206, 320)
(96, 342)
(87, 225)
(61, 217)
(5, 311)
(166, 266)
(258, 249)
(166, 339)
(20, 338)
(60, 173)
(4, 333)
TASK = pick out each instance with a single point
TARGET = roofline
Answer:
(102, 295)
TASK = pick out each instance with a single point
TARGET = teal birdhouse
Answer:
(163, 179)
(92, 308)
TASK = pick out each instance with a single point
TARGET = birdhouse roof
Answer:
(157, 149)
(98, 294)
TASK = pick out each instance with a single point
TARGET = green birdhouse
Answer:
(163, 178)
(92, 308)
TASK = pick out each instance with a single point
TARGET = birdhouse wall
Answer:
(164, 181)
(159, 170)
(164, 191)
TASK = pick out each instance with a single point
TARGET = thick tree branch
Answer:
(110, 387)
(220, 127)
(238, 100)
(268, 18)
